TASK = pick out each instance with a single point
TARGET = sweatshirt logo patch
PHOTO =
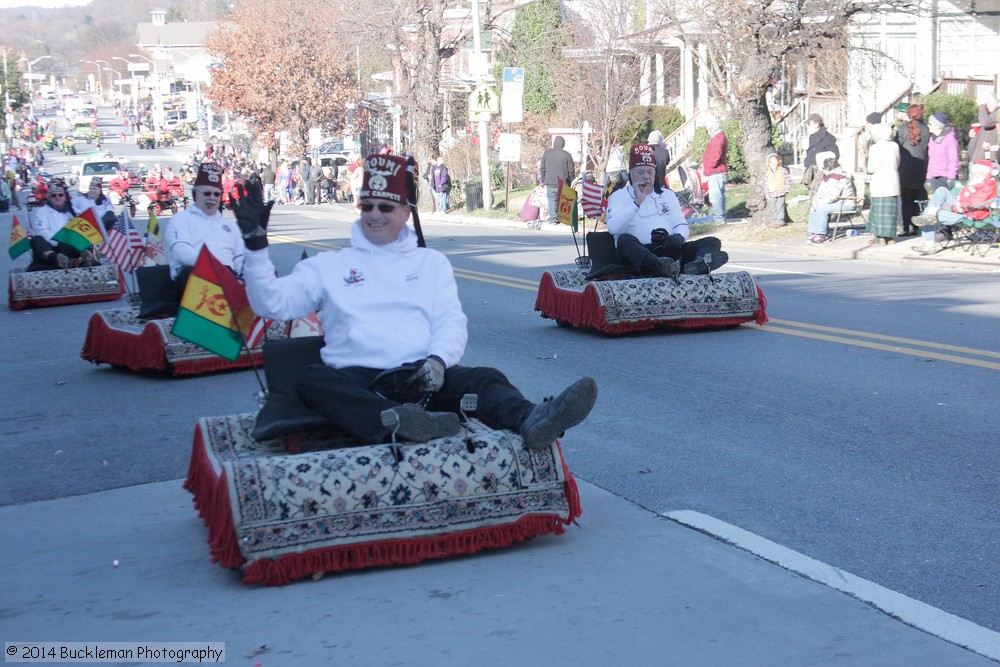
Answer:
(354, 278)
(412, 276)
(664, 208)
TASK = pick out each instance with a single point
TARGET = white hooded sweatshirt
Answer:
(381, 306)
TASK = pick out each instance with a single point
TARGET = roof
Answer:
(175, 34)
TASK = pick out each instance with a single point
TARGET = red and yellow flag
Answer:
(214, 311)
(81, 232)
(567, 205)
(19, 243)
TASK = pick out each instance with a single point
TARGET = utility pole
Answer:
(484, 133)
(8, 133)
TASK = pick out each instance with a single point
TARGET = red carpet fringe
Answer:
(211, 500)
(584, 309)
(143, 352)
(761, 313)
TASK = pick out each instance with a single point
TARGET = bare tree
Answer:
(745, 42)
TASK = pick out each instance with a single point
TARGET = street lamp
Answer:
(156, 77)
(31, 81)
(108, 65)
(98, 69)
(133, 88)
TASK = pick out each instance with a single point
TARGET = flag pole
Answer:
(246, 348)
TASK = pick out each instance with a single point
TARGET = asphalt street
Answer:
(858, 427)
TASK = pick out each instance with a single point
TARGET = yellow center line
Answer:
(890, 339)
(879, 346)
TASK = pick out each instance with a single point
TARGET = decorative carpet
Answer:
(638, 304)
(283, 517)
(118, 338)
(34, 289)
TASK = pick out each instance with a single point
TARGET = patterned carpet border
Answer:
(283, 516)
(118, 338)
(34, 289)
(618, 306)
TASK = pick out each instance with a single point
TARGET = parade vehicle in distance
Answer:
(106, 168)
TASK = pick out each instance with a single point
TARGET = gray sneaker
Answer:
(924, 220)
(924, 250)
(62, 261)
(419, 425)
(550, 419)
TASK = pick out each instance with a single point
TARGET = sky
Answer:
(7, 4)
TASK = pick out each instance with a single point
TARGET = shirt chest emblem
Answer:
(355, 277)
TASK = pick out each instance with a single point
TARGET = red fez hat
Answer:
(385, 178)
(209, 174)
(641, 155)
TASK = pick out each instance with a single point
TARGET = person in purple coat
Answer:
(442, 185)
(942, 153)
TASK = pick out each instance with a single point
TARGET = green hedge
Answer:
(961, 110)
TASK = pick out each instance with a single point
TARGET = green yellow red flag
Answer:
(567, 206)
(19, 243)
(81, 232)
(204, 317)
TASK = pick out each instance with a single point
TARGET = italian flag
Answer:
(19, 243)
(205, 317)
(81, 232)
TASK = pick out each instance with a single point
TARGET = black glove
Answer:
(658, 236)
(429, 376)
(252, 215)
(108, 219)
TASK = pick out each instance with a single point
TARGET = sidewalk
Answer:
(626, 587)
(852, 247)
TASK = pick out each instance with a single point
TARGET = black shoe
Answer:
(549, 420)
(707, 263)
(664, 266)
(62, 261)
(419, 425)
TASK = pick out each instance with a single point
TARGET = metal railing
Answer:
(678, 142)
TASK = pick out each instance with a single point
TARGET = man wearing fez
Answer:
(202, 225)
(387, 302)
(649, 227)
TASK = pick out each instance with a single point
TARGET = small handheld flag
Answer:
(81, 232)
(19, 243)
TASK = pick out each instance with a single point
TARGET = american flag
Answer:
(593, 201)
(124, 243)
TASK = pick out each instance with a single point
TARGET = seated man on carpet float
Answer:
(94, 199)
(46, 253)
(945, 209)
(202, 225)
(648, 224)
(387, 302)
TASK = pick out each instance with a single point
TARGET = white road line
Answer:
(760, 268)
(922, 616)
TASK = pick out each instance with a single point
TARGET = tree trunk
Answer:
(755, 140)
(424, 101)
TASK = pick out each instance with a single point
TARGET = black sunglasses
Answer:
(57, 194)
(383, 208)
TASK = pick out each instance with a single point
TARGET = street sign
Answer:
(511, 107)
(513, 80)
(484, 99)
(510, 147)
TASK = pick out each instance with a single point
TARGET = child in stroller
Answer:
(689, 187)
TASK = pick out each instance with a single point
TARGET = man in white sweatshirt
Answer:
(386, 302)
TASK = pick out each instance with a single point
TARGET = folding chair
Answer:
(847, 218)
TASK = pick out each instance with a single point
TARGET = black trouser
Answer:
(40, 247)
(342, 396)
(908, 205)
(643, 255)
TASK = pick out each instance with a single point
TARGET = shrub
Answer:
(961, 111)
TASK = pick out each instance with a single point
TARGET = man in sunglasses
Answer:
(47, 253)
(202, 225)
(385, 302)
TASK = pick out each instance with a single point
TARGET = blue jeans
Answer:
(819, 216)
(945, 201)
(553, 195)
(441, 199)
(717, 195)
